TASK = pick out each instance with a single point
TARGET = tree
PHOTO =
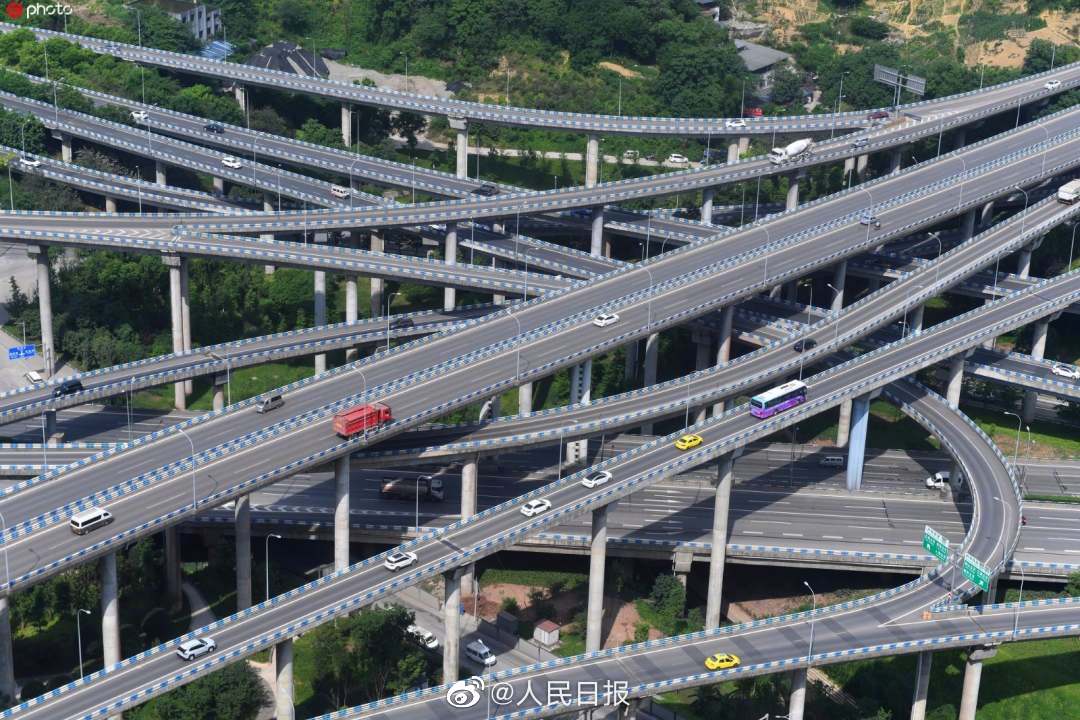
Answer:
(787, 86)
(869, 28)
(385, 663)
(233, 693)
(1072, 585)
(700, 81)
(334, 672)
(668, 596)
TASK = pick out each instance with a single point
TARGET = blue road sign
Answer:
(21, 351)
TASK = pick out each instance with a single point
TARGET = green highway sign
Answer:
(935, 543)
(976, 572)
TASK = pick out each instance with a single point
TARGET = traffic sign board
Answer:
(976, 572)
(21, 351)
(935, 543)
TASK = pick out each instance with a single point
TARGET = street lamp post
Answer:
(266, 560)
(1023, 218)
(1016, 622)
(7, 568)
(416, 518)
(389, 298)
(839, 99)
(1016, 448)
(814, 596)
(78, 634)
(194, 498)
(1071, 244)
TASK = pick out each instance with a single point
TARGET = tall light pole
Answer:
(406, 70)
(1071, 244)
(1016, 622)
(78, 635)
(7, 568)
(814, 596)
(266, 560)
(839, 99)
(1016, 449)
(389, 298)
(194, 497)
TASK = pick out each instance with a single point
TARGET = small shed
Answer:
(546, 633)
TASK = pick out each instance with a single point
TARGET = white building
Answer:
(203, 21)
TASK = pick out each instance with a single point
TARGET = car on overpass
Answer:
(605, 319)
(397, 560)
(596, 479)
(1066, 371)
(231, 163)
(140, 116)
(722, 661)
(535, 507)
(196, 647)
(688, 441)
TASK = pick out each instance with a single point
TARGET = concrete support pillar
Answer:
(959, 138)
(733, 151)
(896, 158)
(159, 173)
(723, 348)
(268, 206)
(1023, 262)
(242, 520)
(630, 361)
(346, 124)
(284, 709)
(450, 258)
(470, 476)
(597, 557)
(969, 697)
(652, 351)
(592, 161)
(110, 611)
(967, 225)
(791, 291)
(320, 304)
(725, 472)
(219, 184)
(174, 263)
(860, 167)
(702, 360)
(7, 659)
(860, 419)
(185, 317)
(376, 283)
(240, 93)
(956, 380)
(580, 393)
(352, 311)
(341, 513)
(707, 196)
(986, 215)
(1038, 351)
(451, 625)
(792, 201)
(843, 428)
(922, 684)
(744, 144)
(797, 703)
(40, 253)
(219, 393)
(915, 323)
(525, 398)
(110, 204)
(461, 144)
(596, 244)
(173, 574)
(838, 279)
(65, 147)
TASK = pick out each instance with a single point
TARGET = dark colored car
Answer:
(804, 345)
(878, 115)
(68, 387)
(487, 190)
(214, 127)
(401, 323)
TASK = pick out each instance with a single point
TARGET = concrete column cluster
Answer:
(284, 709)
(450, 258)
(597, 558)
(470, 477)
(797, 702)
(341, 513)
(725, 474)
(376, 245)
(652, 351)
(969, 697)
(346, 124)
(723, 349)
(860, 420)
(40, 253)
(592, 161)
(175, 264)
(580, 392)
(922, 684)
(707, 196)
(320, 303)
(451, 624)
(461, 126)
(242, 521)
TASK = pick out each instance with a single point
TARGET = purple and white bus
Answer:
(778, 399)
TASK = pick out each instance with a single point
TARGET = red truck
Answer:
(357, 419)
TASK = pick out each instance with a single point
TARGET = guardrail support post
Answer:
(451, 624)
(797, 701)
(461, 144)
(110, 204)
(7, 659)
(922, 684)
(175, 305)
(376, 245)
(580, 392)
(65, 147)
(969, 697)
(268, 206)
(843, 427)
(185, 316)
(839, 277)
(652, 350)
(592, 160)
(596, 244)
(352, 311)
(723, 349)
(525, 398)
(1038, 351)
(342, 506)
(110, 611)
(283, 692)
(450, 258)
(860, 412)
(725, 473)
(172, 567)
(40, 253)
(346, 124)
(242, 522)
(597, 557)
(159, 173)
(707, 196)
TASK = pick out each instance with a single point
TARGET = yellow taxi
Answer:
(721, 661)
(688, 441)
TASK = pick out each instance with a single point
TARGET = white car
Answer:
(231, 162)
(535, 507)
(426, 638)
(196, 647)
(596, 479)
(734, 123)
(399, 560)
(1052, 84)
(605, 319)
(1067, 371)
(140, 116)
(677, 159)
(939, 480)
(29, 162)
(339, 192)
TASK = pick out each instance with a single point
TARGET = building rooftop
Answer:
(547, 626)
(759, 57)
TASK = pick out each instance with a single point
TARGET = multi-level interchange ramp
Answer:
(468, 355)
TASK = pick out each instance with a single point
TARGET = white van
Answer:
(831, 461)
(339, 192)
(269, 403)
(90, 520)
(940, 480)
(480, 653)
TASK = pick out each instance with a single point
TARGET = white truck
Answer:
(781, 155)
(1069, 192)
